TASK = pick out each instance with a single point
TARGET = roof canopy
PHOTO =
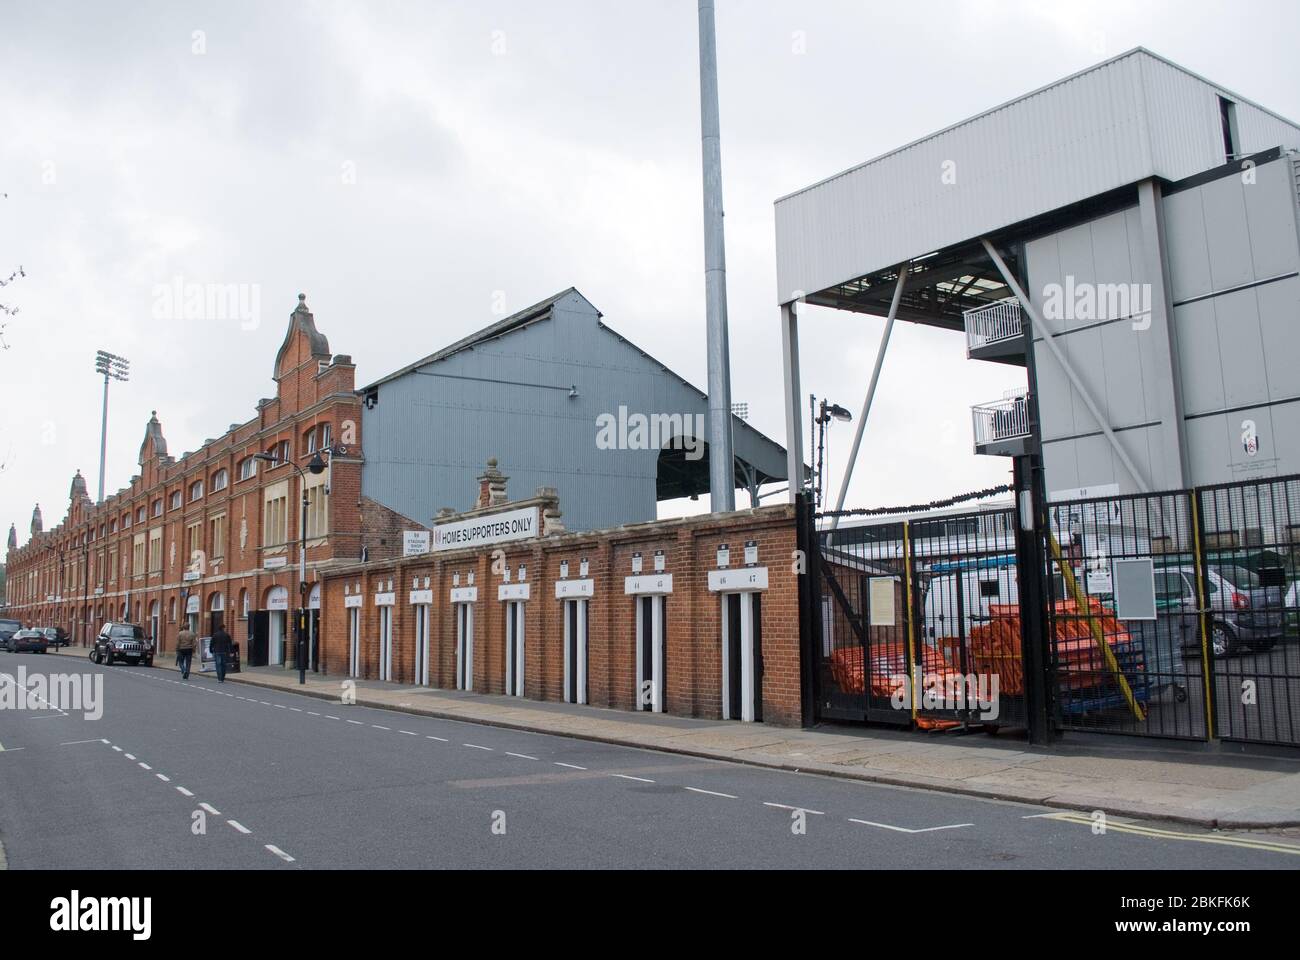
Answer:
(1088, 139)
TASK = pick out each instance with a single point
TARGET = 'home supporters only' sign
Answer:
(496, 528)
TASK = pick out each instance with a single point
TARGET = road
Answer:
(199, 775)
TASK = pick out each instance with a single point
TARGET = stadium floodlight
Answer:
(111, 367)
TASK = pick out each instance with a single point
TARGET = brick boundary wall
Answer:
(693, 614)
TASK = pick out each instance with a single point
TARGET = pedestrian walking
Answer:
(185, 650)
(221, 648)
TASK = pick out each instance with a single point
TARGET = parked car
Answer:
(56, 636)
(122, 642)
(1244, 614)
(8, 628)
(25, 640)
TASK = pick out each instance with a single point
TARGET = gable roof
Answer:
(302, 320)
(516, 321)
(747, 436)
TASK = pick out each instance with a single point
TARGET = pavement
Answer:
(1122, 777)
(192, 774)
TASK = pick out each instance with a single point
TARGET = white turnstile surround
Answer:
(650, 653)
(462, 602)
(746, 654)
(515, 596)
(421, 611)
(574, 595)
(745, 583)
(354, 639)
(650, 591)
(464, 645)
(386, 643)
(575, 651)
(514, 653)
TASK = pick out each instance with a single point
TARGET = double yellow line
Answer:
(1250, 844)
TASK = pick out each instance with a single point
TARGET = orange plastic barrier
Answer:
(994, 648)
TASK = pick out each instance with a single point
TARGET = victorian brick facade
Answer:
(211, 533)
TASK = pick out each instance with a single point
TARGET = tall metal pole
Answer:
(722, 476)
(302, 582)
(103, 441)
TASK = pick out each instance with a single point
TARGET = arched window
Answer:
(219, 480)
(282, 452)
(196, 490)
(171, 610)
(247, 468)
(243, 604)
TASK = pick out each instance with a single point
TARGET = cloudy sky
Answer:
(413, 166)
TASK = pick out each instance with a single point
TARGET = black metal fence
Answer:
(919, 621)
(1251, 563)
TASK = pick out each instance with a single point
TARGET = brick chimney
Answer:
(491, 486)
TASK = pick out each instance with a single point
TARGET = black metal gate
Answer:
(1135, 676)
(919, 622)
(1250, 536)
(863, 653)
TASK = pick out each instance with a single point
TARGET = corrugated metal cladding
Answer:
(432, 430)
(1118, 123)
(1233, 252)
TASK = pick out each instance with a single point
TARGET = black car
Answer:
(25, 640)
(8, 628)
(122, 642)
(55, 636)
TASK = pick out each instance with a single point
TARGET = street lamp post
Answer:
(317, 466)
(111, 367)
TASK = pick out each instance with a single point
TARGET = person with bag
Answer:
(221, 648)
(185, 650)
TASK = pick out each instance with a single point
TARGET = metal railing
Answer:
(993, 324)
(1004, 419)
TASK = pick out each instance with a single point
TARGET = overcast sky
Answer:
(411, 167)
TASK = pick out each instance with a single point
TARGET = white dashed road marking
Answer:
(782, 806)
(279, 853)
(210, 809)
(475, 746)
(571, 766)
(713, 793)
(624, 776)
(239, 826)
(885, 826)
(521, 756)
(183, 792)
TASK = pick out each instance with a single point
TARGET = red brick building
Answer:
(213, 533)
(575, 616)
